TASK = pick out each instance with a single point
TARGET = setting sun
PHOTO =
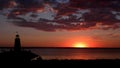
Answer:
(80, 45)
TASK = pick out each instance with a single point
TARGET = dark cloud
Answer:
(30, 3)
(95, 3)
(58, 15)
(6, 4)
(101, 15)
(65, 11)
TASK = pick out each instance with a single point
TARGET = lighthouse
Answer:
(17, 43)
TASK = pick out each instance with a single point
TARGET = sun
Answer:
(80, 45)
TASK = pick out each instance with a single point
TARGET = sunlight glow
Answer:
(80, 45)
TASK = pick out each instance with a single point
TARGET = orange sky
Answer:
(35, 38)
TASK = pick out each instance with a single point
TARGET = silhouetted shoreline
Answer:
(25, 58)
(58, 61)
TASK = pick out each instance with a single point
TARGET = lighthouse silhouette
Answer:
(17, 43)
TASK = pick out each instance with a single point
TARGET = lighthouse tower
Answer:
(17, 44)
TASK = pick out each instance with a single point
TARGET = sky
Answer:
(60, 23)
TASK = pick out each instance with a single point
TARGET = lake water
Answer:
(66, 53)
(78, 53)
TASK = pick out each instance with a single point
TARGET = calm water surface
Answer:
(61, 53)
(78, 53)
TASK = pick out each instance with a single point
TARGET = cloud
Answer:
(95, 3)
(101, 15)
(6, 4)
(30, 4)
(54, 15)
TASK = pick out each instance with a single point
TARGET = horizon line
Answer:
(70, 47)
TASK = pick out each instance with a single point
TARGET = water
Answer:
(86, 54)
